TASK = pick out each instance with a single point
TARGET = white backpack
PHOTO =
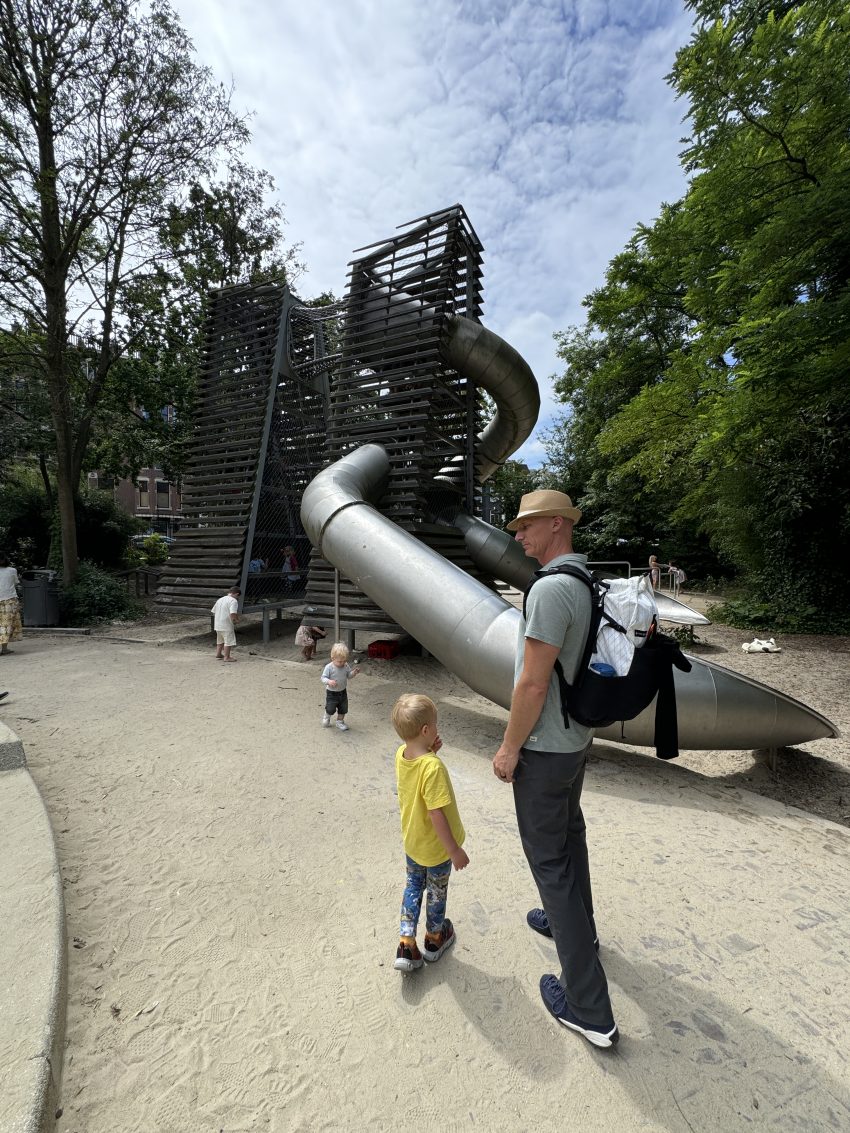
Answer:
(631, 604)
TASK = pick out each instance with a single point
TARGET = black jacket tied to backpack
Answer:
(598, 701)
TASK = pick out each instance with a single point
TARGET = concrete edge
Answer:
(32, 910)
(11, 750)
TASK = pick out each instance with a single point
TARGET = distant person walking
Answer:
(677, 577)
(10, 610)
(225, 616)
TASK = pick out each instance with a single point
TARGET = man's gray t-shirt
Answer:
(557, 613)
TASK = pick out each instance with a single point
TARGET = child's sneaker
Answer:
(341, 724)
(408, 958)
(433, 948)
(326, 721)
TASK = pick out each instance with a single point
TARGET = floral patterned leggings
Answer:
(419, 877)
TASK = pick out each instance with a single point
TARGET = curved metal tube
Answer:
(477, 353)
(493, 364)
(473, 631)
(498, 554)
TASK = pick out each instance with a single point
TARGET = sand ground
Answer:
(233, 871)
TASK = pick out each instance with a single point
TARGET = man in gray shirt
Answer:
(545, 761)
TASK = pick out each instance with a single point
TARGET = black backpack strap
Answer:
(564, 568)
(591, 583)
(565, 692)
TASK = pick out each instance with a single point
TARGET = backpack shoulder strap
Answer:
(596, 589)
(565, 568)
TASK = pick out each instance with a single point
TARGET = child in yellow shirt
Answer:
(431, 828)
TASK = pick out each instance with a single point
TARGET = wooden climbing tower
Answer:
(393, 387)
(258, 438)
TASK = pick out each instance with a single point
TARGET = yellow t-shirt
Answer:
(423, 785)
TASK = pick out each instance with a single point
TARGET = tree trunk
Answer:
(45, 479)
(54, 281)
(61, 416)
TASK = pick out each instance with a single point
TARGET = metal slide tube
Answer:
(452, 615)
(498, 554)
(473, 631)
(494, 365)
(481, 356)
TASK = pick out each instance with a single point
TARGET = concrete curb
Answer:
(33, 956)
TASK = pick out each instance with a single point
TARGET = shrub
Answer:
(154, 549)
(103, 529)
(684, 635)
(776, 617)
(24, 519)
(96, 596)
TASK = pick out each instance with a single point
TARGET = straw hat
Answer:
(545, 502)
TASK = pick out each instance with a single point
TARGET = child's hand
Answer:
(436, 745)
(460, 859)
(331, 684)
(355, 670)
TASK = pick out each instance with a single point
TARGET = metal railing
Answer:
(614, 563)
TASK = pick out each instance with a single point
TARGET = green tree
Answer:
(508, 485)
(742, 410)
(106, 126)
(25, 431)
(637, 335)
(224, 233)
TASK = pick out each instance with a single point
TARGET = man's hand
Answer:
(504, 763)
(460, 858)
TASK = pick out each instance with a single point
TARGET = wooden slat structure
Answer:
(286, 388)
(257, 441)
(393, 388)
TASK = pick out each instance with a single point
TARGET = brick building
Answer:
(152, 498)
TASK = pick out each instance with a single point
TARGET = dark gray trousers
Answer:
(547, 797)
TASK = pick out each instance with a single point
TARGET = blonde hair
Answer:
(411, 712)
(339, 649)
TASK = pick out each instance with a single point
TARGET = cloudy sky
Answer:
(548, 120)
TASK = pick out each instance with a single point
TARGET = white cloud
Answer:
(550, 122)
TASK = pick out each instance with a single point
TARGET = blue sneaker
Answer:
(538, 920)
(555, 999)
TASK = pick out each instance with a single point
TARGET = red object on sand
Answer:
(383, 650)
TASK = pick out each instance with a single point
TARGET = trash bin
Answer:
(41, 598)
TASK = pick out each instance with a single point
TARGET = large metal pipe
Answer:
(473, 631)
(474, 351)
(498, 554)
(495, 366)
